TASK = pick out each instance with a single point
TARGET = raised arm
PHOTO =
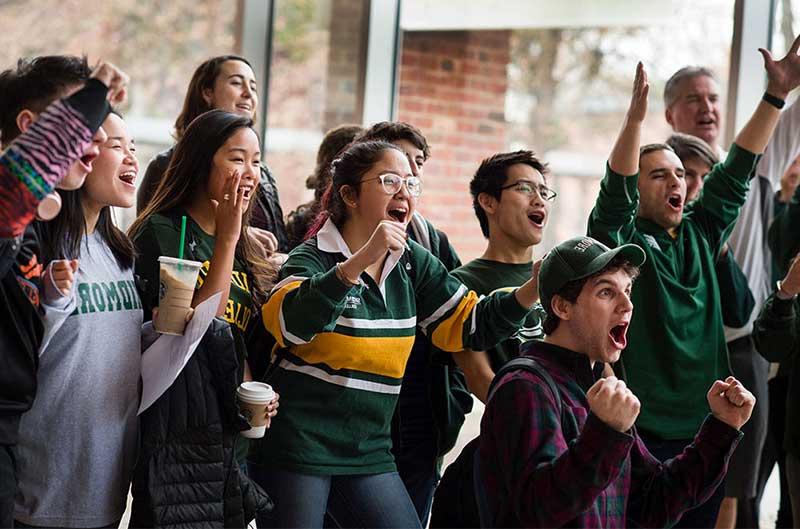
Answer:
(613, 218)
(454, 318)
(783, 76)
(38, 159)
(307, 300)
(624, 157)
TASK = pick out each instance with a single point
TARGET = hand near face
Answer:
(115, 79)
(62, 275)
(230, 209)
(641, 88)
(613, 403)
(388, 236)
(783, 75)
(730, 402)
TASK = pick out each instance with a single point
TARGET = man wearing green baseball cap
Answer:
(558, 446)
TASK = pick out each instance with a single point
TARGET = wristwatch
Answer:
(781, 293)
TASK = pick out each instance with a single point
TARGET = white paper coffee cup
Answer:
(253, 399)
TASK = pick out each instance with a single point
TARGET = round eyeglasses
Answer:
(526, 187)
(392, 184)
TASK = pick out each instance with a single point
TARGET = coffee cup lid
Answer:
(176, 261)
(256, 391)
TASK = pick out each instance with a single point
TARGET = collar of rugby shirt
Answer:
(330, 240)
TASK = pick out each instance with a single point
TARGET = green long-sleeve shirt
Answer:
(676, 345)
(777, 336)
(784, 235)
(342, 350)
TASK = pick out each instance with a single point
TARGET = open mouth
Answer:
(619, 335)
(398, 214)
(675, 202)
(244, 107)
(706, 122)
(247, 191)
(129, 177)
(537, 218)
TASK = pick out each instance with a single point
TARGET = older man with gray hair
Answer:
(692, 106)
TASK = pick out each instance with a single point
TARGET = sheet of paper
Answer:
(164, 360)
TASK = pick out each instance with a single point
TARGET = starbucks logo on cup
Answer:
(162, 290)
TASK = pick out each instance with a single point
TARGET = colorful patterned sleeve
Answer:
(36, 161)
(452, 316)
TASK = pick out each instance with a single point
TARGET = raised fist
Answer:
(730, 402)
(613, 403)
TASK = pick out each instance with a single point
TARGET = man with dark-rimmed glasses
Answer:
(512, 202)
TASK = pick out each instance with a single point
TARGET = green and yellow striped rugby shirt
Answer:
(342, 350)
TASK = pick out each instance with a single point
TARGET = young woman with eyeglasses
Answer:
(345, 313)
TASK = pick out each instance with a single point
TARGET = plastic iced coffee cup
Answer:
(253, 399)
(176, 289)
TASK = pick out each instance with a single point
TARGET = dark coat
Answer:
(187, 474)
(21, 331)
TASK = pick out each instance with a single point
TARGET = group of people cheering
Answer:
(361, 316)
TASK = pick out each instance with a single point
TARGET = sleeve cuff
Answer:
(511, 308)
(626, 185)
(91, 102)
(331, 286)
(718, 434)
(604, 440)
(740, 161)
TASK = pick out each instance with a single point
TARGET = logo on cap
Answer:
(584, 244)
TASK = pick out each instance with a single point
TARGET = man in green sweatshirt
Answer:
(676, 345)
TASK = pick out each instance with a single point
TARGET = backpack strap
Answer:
(526, 363)
(521, 363)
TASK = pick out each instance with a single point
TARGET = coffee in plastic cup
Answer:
(253, 399)
(176, 290)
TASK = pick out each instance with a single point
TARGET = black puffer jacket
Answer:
(186, 475)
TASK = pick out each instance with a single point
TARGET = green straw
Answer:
(183, 239)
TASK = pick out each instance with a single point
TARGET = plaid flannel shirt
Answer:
(541, 470)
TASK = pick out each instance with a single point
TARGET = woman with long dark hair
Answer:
(211, 180)
(226, 82)
(345, 315)
(89, 361)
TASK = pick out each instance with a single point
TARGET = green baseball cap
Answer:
(578, 258)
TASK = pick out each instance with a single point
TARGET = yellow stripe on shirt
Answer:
(271, 311)
(385, 356)
(448, 335)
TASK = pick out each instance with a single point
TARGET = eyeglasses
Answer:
(392, 184)
(526, 187)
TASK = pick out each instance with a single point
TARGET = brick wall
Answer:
(344, 94)
(452, 86)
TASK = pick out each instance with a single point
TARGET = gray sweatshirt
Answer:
(78, 443)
